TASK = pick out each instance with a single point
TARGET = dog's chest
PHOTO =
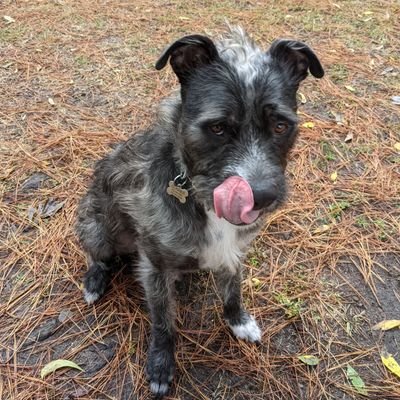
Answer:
(225, 246)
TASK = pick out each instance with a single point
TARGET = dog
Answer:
(191, 193)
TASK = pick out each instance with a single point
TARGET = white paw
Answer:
(90, 297)
(159, 389)
(248, 331)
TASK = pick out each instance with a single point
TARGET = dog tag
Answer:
(177, 192)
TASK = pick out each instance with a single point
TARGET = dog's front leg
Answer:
(159, 289)
(243, 325)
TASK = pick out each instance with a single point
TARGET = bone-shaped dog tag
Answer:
(177, 192)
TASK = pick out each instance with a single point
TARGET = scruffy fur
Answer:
(235, 115)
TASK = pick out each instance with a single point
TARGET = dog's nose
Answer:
(263, 198)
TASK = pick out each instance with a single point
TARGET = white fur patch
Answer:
(224, 248)
(90, 297)
(159, 388)
(239, 50)
(248, 331)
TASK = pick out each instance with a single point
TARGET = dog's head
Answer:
(238, 119)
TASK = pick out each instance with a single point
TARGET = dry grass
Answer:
(318, 292)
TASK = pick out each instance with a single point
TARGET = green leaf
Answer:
(309, 360)
(57, 364)
(356, 381)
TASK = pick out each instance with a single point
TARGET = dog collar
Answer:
(180, 187)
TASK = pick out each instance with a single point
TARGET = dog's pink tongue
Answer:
(233, 200)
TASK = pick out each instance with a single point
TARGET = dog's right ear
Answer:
(188, 54)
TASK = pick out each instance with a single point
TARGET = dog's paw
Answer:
(159, 389)
(160, 371)
(90, 297)
(95, 283)
(248, 330)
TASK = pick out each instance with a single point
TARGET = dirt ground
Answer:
(77, 76)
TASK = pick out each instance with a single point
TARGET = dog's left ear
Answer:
(296, 58)
(187, 54)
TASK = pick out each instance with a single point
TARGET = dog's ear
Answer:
(296, 58)
(188, 54)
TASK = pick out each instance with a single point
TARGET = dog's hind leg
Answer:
(100, 253)
(242, 324)
(96, 280)
(160, 290)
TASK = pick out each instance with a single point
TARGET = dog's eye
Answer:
(281, 127)
(217, 129)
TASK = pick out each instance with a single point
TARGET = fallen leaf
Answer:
(256, 282)
(8, 19)
(51, 101)
(390, 363)
(308, 125)
(309, 360)
(338, 118)
(387, 324)
(34, 181)
(31, 212)
(356, 380)
(57, 364)
(350, 88)
(397, 146)
(302, 98)
(348, 328)
(396, 100)
(322, 229)
(334, 176)
(387, 71)
(349, 137)
(49, 208)
(65, 315)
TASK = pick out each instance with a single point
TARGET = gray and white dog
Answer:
(191, 192)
